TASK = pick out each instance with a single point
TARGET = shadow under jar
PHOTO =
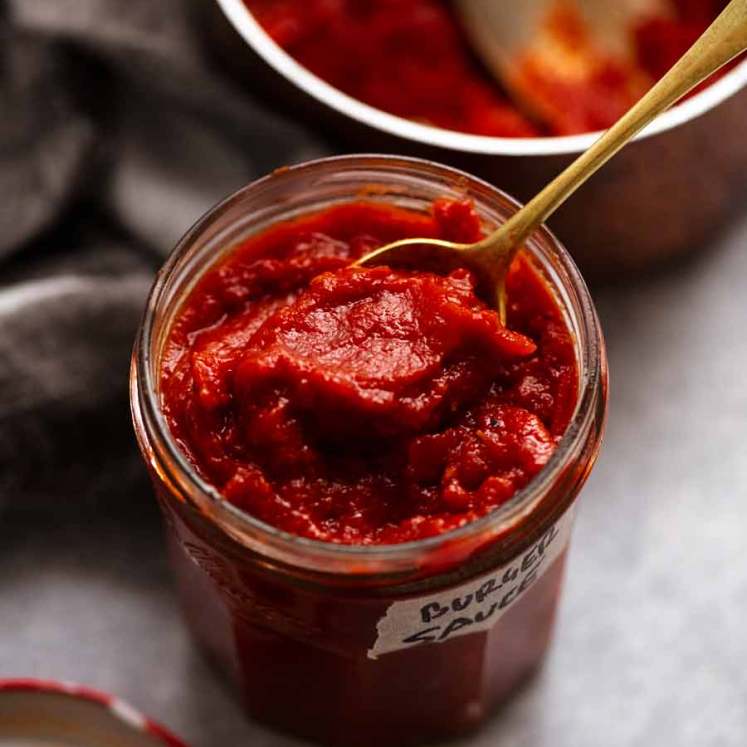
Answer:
(379, 644)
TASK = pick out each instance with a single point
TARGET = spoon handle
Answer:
(725, 38)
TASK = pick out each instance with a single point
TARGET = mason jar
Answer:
(383, 644)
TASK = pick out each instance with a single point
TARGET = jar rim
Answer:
(150, 421)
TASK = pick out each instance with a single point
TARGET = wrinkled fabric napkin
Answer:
(115, 135)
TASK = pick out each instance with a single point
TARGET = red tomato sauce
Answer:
(365, 405)
(411, 58)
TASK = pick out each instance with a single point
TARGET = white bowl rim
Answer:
(246, 25)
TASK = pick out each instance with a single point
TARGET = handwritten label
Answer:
(472, 607)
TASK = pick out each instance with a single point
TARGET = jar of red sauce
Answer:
(379, 644)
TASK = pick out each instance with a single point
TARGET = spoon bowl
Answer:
(489, 262)
(566, 39)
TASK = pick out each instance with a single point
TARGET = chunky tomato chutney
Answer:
(411, 58)
(365, 405)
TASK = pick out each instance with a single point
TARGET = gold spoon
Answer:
(491, 257)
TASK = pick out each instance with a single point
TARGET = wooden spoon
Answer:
(564, 42)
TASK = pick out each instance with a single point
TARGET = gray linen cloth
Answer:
(115, 135)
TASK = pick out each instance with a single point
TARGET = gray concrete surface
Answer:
(651, 646)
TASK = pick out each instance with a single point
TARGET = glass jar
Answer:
(354, 645)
